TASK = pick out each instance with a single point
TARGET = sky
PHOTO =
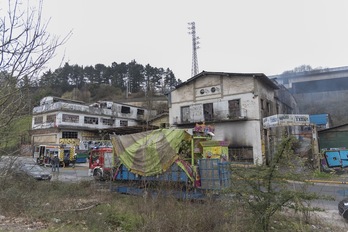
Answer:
(246, 36)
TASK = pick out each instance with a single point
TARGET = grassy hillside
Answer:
(15, 134)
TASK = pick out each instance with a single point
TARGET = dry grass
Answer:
(56, 206)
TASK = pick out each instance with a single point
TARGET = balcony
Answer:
(217, 116)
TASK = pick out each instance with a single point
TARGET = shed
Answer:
(334, 137)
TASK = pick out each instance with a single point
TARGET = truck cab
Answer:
(101, 162)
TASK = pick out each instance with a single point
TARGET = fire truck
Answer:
(44, 153)
(101, 162)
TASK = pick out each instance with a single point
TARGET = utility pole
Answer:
(195, 43)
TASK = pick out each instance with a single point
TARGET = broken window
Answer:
(241, 154)
(208, 112)
(123, 123)
(38, 120)
(125, 109)
(185, 114)
(70, 118)
(269, 108)
(91, 120)
(262, 104)
(140, 112)
(234, 109)
(51, 118)
(108, 121)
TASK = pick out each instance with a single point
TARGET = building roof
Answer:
(159, 116)
(332, 128)
(260, 76)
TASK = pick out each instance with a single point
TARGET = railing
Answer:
(84, 109)
(218, 116)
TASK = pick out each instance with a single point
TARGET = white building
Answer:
(235, 104)
(57, 119)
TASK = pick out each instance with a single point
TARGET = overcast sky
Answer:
(268, 36)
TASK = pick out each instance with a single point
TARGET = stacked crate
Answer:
(214, 175)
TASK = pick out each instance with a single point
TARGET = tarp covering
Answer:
(149, 153)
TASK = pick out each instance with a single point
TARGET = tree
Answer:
(26, 47)
(266, 189)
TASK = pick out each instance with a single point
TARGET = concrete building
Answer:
(235, 104)
(61, 121)
(319, 91)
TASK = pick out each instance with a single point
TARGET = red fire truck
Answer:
(101, 162)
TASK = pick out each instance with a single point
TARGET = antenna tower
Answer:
(195, 43)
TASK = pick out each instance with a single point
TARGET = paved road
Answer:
(68, 174)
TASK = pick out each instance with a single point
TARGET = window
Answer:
(70, 118)
(125, 109)
(241, 154)
(140, 112)
(91, 120)
(208, 112)
(262, 104)
(69, 135)
(38, 120)
(234, 109)
(269, 107)
(51, 118)
(108, 121)
(185, 114)
(123, 123)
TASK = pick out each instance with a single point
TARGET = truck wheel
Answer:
(98, 175)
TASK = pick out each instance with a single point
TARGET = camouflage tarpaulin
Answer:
(149, 153)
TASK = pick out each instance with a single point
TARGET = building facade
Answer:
(56, 120)
(235, 104)
(319, 91)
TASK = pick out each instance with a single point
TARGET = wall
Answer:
(331, 103)
(230, 88)
(334, 138)
(241, 134)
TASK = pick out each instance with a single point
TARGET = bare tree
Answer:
(26, 47)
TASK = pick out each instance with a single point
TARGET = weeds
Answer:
(58, 206)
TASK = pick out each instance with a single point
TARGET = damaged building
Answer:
(235, 104)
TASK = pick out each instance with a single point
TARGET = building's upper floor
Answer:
(217, 96)
(57, 112)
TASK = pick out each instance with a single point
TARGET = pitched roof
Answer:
(262, 77)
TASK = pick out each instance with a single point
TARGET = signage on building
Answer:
(286, 120)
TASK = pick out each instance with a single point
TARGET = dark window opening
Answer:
(38, 120)
(241, 154)
(140, 112)
(234, 109)
(185, 114)
(262, 104)
(208, 112)
(70, 118)
(123, 123)
(107, 121)
(69, 135)
(125, 109)
(91, 120)
(269, 108)
(51, 118)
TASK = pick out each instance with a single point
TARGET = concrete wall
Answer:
(332, 103)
